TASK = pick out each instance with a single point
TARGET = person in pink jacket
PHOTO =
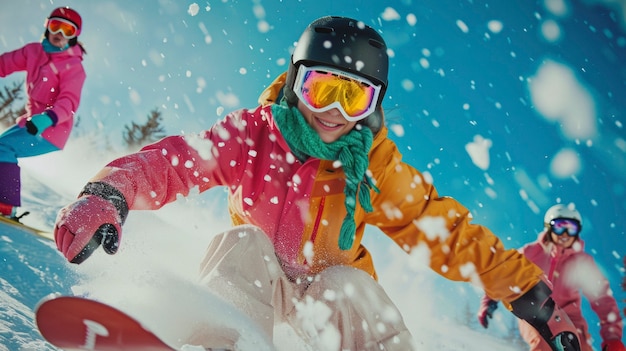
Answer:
(54, 81)
(306, 171)
(559, 252)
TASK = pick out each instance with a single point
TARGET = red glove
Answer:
(85, 224)
(487, 307)
(613, 345)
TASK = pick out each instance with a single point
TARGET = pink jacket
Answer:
(572, 272)
(300, 205)
(54, 82)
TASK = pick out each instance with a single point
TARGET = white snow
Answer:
(561, 97)
(478, 150)
(155, 272)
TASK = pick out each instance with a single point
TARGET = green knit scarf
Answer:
(350, 149)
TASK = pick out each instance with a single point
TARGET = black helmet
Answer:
(346, 44)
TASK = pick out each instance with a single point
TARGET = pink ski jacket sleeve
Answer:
(54, 82)
(301, 204)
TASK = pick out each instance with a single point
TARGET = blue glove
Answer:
(38, 123)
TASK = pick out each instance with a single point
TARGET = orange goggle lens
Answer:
(323, 88)
(68, 29)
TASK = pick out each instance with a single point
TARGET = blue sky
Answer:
(510, 106)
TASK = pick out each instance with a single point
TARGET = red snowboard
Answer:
(76, 323)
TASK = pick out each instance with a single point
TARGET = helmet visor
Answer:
(67, 28)
(561, 225)
(323, 88)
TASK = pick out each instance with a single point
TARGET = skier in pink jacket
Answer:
(54, 81)
(306, 171)
(559, 252)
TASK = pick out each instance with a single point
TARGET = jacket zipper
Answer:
(318, 219)
(553, 261)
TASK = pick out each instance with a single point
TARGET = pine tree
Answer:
(137, 135)
(11, 103)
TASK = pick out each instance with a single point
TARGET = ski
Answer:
(46, 234)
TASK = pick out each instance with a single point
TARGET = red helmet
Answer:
(68, 14)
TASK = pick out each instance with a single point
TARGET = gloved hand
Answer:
(613, 345)
(485, 312)
(85, 224)
(36, 124)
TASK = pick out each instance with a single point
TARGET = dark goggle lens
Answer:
(561, 225)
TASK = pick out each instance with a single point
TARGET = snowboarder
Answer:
(54, 81)
(306, 171)
(558, 250)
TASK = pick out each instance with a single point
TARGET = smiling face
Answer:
(564, 240)
(330, 125)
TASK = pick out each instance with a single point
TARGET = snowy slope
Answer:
(31, 269)
(153, 274)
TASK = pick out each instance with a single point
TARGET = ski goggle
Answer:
(323, 88)
(561, 225)
(67, 28)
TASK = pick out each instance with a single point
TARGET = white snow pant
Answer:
(341, 308)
